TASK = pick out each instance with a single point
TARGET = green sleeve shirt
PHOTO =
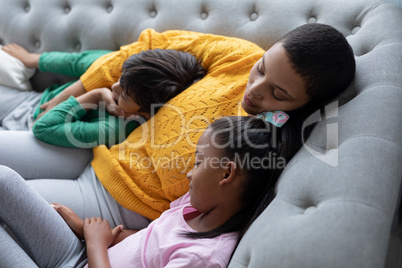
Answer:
(69, 125)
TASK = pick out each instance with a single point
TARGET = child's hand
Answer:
(76, 223)
(76, 89)
(109, 99)
(91, 99)
(97, 232)
(47, 106)
(101, 95)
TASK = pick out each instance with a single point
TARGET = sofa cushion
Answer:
(13, 72)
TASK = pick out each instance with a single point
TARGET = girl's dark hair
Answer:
(156, 76)
(243, 138)
(322, 56)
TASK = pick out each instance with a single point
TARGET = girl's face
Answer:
(274, 85)
(127, 104)
(206, 174)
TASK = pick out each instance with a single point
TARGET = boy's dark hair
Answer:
(156, 76)
(322, 56)
(245, 138)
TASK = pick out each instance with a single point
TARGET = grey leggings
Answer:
(46, 239)
(65, 176)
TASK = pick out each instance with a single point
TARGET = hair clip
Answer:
(276, 118)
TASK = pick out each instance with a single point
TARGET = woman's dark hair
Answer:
(243, 138)
(322, 56)
(156, 76)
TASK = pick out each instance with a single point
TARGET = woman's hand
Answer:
(74, 222)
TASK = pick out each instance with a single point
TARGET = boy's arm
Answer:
(76, 89)
(63, 126)
(104, 95)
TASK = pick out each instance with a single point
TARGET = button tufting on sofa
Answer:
(78, 46)
(204, 15)
(153, 13)
(27, 8)
(312, 20)
(67, 9)
(109, 8)
(37, 44)
(253, 16)
(310, 210)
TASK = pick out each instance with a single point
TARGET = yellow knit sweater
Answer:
(147, 171)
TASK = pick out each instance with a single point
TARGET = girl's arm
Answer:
(99, 236)
(77, 224)
(123, 235)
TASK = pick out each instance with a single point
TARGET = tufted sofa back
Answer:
(75, 25)
(337, 197)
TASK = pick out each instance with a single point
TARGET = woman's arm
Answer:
(99, 236)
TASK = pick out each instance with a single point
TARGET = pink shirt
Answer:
(161, 243)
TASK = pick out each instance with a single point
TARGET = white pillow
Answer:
(13, 72)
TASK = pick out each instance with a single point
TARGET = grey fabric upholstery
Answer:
(337, 197)
(396, 2)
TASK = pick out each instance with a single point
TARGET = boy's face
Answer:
(127, 104)
(274, 85)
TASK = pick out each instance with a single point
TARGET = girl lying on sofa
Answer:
(235, 171)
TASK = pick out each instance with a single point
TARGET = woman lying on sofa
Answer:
(306, 69)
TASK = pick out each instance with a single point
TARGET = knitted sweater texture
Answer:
(148, 170)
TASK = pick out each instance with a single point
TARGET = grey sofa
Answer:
(337, 198)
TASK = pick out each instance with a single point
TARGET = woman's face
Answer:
(274, 85)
